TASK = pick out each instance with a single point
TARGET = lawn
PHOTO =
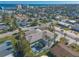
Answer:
(63, 40)
(7, 38)
(3, 31)
(74, 47)
(66, 29)
(44, 52)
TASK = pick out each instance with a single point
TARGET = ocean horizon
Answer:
(13, 4)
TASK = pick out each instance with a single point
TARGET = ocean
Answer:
(6, 6)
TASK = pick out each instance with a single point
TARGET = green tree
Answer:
(23, 46)
(34, 23)
(52, 29)
(44, 21)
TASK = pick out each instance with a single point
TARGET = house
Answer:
(63, 24)
(0, 17)
(3, 26)
(71, 22)
(34, 35)
(6, 48)
(38, 41)
(49, 34)
(75, 27)
(22, 23)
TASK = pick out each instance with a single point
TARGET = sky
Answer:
(39, 2)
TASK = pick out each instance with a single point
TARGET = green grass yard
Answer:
(7, 38)
(74, 47)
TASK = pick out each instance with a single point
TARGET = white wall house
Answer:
(37, 34)
(33, 36)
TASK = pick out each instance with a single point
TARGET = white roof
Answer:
(49, 34)
(38, 30)
(65, 24)
(34, 36)
(72, 21)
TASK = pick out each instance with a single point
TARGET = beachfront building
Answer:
(19, 7)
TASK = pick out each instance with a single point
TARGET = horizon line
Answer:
(39, 2)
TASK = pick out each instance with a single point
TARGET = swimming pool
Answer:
(38, 45)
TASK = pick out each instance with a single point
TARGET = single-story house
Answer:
(34, 35)
(22, 23)
(5, 48)
(71, 22)
(37, 34)
(3, 26)
(75, 27)
(63, 24)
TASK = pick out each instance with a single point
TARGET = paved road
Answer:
(69, 50)
(68, 34)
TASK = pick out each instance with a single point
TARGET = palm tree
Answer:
(23, 46)
(19, 46)
(48, 39)
(52, 28)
